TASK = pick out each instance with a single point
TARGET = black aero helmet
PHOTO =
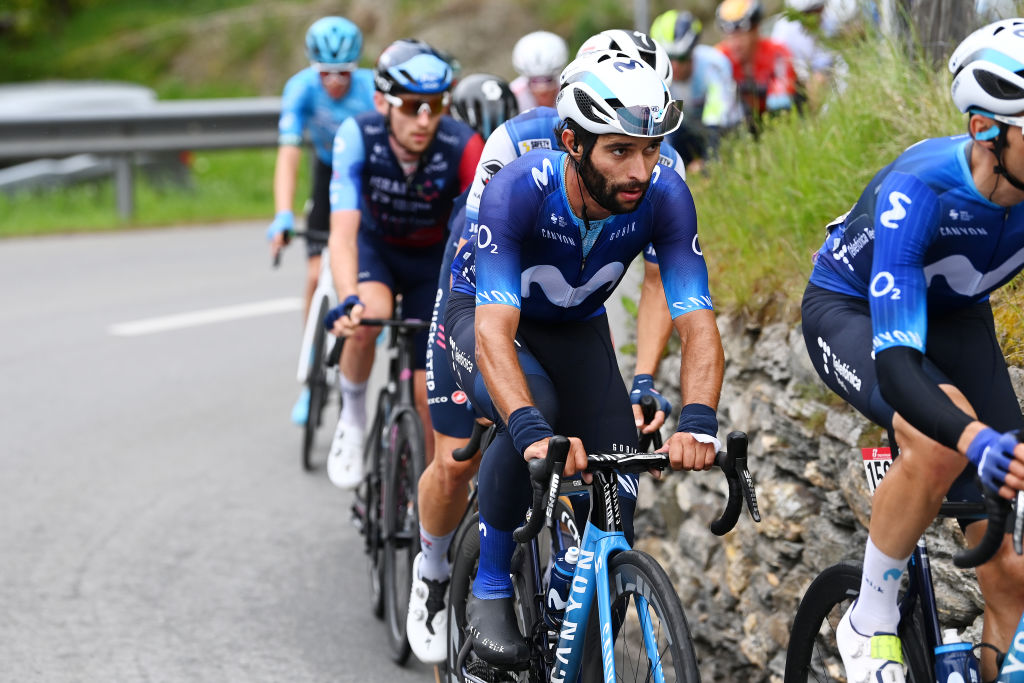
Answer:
(484, 102)
(412, 66)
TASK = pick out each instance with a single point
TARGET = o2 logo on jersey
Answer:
(483, 239)
(884, 284)
(696, 247)
(656, 173)
(897, 213)
(540, 175)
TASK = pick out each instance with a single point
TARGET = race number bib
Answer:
(877, 462)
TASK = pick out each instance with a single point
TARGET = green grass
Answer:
(763, 209)
(224, 186)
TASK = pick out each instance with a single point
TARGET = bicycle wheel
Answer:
(368, 501)
(812, 654)
(634, 575)
(316, 381)
(401, 525)
(461, 664)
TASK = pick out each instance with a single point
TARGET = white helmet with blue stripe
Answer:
(988, 69)
(613, 92)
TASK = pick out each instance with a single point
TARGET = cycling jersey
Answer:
(921, 240)
(306, 104)
(533, 253)
(770, 82)
(532, 130)
(409, 211)
(709, 96)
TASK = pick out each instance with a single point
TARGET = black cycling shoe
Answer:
(495, 633)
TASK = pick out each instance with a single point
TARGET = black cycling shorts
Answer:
(962, 350)
(319, 217)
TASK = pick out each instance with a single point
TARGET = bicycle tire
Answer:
(401, 525)
(369, 495)
(316, 382)
(632, 573)
(812, 654)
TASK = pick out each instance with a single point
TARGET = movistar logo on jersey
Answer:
(561, 293)
(891, 217)
(540, 175)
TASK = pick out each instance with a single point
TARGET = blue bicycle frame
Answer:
(1012, 670)
(597, 548)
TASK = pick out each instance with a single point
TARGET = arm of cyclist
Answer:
(285, 170)
(654, 327)
(345, 193)
(695, 442)
(495, 327)
(899, 325)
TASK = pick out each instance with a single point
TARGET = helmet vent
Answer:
(587, 105)
(998, 87)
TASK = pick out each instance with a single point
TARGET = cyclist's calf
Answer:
(1002, 584)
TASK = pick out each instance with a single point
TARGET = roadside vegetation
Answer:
(762, 208)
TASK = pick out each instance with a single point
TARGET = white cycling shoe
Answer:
(345, 460)
(426, 625)
(869, 659)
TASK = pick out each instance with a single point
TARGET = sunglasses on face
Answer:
(345, 69)
(542, 81)
(434, 106)
(1010, 120)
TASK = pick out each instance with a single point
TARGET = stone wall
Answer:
(740, 592)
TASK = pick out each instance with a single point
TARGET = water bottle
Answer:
(955, 661)
(559, 584)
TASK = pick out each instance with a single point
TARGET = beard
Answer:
(606, 194)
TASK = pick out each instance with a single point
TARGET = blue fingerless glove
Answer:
(991, 453)
(342, 309)
(284, 221)
(643, 385)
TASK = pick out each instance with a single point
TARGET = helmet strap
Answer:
(998, 150)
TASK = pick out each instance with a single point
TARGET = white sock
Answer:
(434, 563)
(876, 610)
(353, 403)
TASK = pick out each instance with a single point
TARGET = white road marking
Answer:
(207, 317)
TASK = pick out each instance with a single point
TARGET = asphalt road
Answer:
(155, 524)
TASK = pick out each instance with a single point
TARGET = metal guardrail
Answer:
(165, 126)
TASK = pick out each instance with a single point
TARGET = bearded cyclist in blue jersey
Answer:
(397, 171)
(483, 100)
(316, 99)
(526, 314)
(897, 321)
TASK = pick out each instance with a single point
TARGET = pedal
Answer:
(358, 516)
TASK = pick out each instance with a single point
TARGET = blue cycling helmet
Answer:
(412, 66)
(333, 40)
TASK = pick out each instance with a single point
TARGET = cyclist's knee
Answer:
(932, 466)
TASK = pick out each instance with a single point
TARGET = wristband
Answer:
(526, 425)
(698, 418)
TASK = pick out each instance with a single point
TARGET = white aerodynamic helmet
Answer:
(988, 69)
(637, 45)
(540, 53)
(613, 92)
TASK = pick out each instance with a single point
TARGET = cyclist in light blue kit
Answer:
(526, 314)
(316, 99)
(897, 321)
(397, 171)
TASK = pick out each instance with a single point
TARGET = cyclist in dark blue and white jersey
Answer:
(483, 101)
(316, 99)
(897, 321)
(396, 172)
(527, 331)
